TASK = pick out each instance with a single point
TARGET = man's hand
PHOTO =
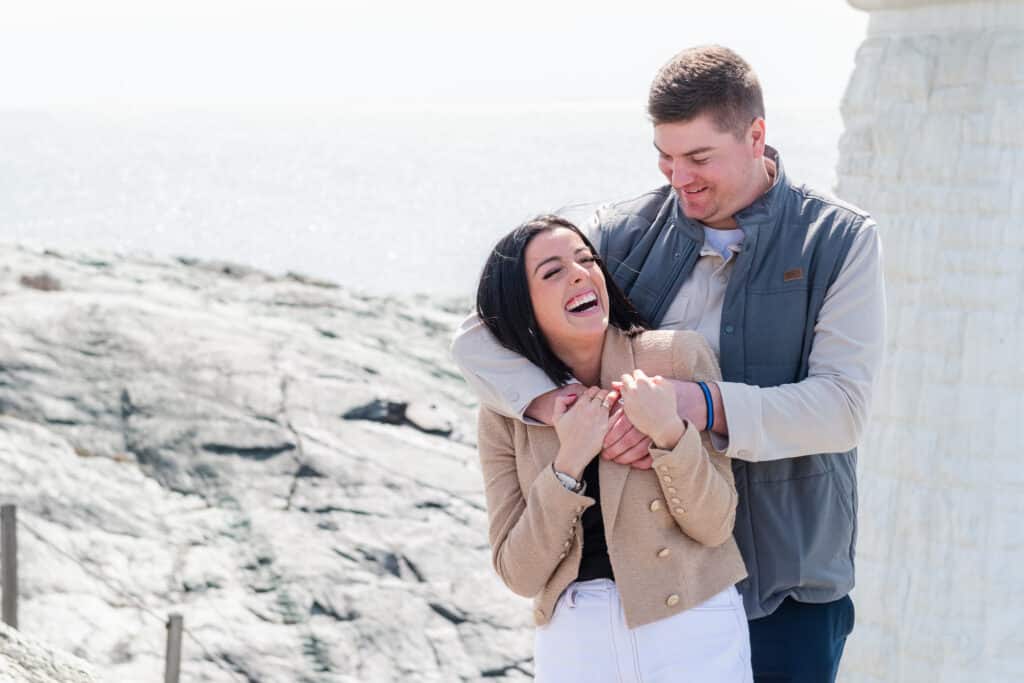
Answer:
(626, 445)
(650, 404)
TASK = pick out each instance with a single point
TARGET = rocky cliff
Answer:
(23, 660)
(287, 464)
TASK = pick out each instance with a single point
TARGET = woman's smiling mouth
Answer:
(582, 303)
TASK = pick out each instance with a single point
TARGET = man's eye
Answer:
(550, 273)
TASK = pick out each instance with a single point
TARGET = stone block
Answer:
(921, 199)
(958, 98)
(902, 122)
(982, 165)
(977, 127)
(908, 70)
(1006, 127)
(862, 91)
(887, 167)
(929, 155)
(1017, 200)
(962, 61)
(861, 164)
(1006, 59)
(993, 341)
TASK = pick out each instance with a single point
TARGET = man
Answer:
(786, 285)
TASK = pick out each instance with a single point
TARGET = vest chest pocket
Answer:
(776, 322)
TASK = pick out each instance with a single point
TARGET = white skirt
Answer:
(587, 641)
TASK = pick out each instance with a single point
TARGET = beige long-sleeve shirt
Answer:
(826, 412)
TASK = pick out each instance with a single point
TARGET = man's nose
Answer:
(681, 175)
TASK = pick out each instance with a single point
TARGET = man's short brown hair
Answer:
(709, 79)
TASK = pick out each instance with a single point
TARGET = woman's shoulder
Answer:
(494, 423)
(680, 354)
(668, 341)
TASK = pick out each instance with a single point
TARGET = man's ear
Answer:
(756, 137)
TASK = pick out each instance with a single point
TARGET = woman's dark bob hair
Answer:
(503, 298)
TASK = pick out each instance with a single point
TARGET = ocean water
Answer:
(390, 202)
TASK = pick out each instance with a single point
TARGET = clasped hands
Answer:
(620, 423)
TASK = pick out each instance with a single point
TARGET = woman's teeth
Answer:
(581, 302)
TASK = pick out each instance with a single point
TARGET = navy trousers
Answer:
(800, 642)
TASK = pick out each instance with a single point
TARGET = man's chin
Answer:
(700, 214)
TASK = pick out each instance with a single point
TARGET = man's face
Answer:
(714, 173)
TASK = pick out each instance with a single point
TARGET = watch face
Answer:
(567, 481)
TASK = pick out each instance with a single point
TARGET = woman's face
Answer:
(567, 289)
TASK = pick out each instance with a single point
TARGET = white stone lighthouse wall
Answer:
(934, 148)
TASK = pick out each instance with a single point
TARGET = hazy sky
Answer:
(307, 54)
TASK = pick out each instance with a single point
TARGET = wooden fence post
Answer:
(9, 563)
(172, 670)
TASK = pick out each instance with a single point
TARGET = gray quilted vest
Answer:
(796, 524)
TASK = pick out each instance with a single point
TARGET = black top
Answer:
(595, 563)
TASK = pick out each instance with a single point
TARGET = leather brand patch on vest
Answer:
(794, 274)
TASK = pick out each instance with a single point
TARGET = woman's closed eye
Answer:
(587, 261)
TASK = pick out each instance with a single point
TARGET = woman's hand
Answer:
(650, 404)
(581, 423)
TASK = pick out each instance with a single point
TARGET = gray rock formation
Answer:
(934, 149)
(23, 660)
(288, 464)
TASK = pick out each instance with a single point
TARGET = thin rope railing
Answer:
(122, 592)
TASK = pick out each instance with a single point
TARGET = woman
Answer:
(632, 571)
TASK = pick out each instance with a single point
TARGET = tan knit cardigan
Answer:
(669, 529)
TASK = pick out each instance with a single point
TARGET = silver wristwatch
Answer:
(568, 482)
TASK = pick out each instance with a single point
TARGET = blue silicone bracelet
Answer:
(709, 403)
